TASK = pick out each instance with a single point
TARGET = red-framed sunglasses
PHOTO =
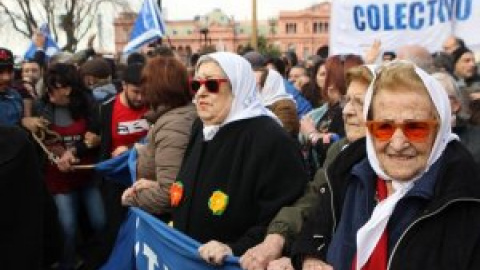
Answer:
(212, 85)
(415, 131)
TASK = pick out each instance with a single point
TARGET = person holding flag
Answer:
(148, 27)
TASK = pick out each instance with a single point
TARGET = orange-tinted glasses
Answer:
(212, 85)
(415, 131)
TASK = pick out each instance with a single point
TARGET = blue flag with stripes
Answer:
(148, 27)
(50, 48)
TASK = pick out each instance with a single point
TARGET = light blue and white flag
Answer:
(148, 27)
(50, 48)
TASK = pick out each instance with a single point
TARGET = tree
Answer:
(268, 49)
(70, 18)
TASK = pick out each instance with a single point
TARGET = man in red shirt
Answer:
(122, 122)
(122, 126)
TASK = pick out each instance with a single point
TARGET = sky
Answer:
(179, 10)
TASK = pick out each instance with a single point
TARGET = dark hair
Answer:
(323, 51)
(336, 67)
(161, 50)
(194, 59)
(391, 54)
(278, 64)
(165, 82)
(443, 62)
(60, 75)
(460, 42)
(315, 90)
(136, 57)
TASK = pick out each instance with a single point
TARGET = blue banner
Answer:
(145, 242)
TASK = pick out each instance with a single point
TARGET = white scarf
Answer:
(274, 89)
(369, 234)
(245, 103)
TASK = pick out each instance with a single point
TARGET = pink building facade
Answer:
(303, 31)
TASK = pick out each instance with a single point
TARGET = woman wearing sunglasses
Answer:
(240, 166)
(414, 202)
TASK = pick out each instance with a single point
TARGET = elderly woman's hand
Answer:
(315, 264)
(130, 193)
(259, 256)
(127, 196)
(214, 252)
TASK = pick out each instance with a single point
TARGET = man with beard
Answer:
(122, 120)
(122, 126)
(11, 104)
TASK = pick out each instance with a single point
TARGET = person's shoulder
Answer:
(180, 117)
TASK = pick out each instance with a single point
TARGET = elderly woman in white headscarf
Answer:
(414, 201)
(271, 89)
(240, 166)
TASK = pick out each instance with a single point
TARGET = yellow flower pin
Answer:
(218, 202)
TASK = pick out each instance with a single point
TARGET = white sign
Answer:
(355, 24)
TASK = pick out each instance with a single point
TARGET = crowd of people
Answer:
(334, 162)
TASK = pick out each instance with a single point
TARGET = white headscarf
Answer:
(274, 89)
(245, 103)
(370, 233)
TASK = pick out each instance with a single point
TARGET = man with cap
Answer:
(122, 126)
(464, 67)
(97, 75)
(11, 103)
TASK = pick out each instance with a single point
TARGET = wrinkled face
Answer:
(60, 95)
(133, 96)
(213, 108)
(465, 66)
(31, 72)
(320, 76)
(6, 77)
(295, 74)
(399, 157)
(353, 110)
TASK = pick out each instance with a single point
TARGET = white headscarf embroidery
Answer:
(245, 103)
(274, 89)
(370, 233)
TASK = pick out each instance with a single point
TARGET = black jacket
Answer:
(256, 164)
(21, 198)
(106, 111)
(444, 235)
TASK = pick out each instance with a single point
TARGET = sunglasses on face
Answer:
(212, 85)
(415, 131)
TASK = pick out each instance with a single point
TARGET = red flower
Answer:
(176, 193)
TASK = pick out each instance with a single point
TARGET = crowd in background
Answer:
(281, 130)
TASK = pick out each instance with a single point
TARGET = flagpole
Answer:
(254, 40)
